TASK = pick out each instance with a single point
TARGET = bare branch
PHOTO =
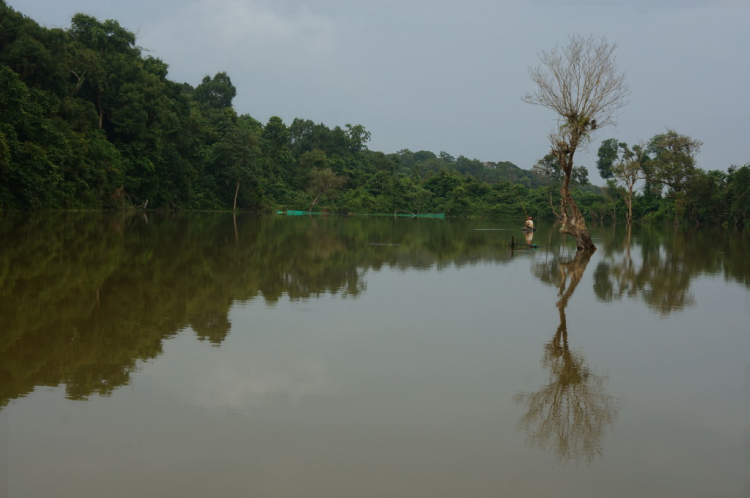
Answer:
(580, 82)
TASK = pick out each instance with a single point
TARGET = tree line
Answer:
(672, 187)
(88, 120)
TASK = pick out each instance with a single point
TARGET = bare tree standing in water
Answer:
(582, 84)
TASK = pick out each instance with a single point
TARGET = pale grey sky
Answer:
(449, 75)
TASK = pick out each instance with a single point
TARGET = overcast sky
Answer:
(448, 76)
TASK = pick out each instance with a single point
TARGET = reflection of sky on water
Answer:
(227, 387)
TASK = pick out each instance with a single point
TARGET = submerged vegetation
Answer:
(89, 121)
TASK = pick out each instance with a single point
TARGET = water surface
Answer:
(206, 355)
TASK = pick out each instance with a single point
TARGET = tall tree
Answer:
(582, 84)
(237, 156)
(107, 55)
(673, 165)
(358, 137)
(278, 156)
(628, 170)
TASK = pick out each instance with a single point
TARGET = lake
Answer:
(203, 354)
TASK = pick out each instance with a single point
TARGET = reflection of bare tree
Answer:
(570, 414)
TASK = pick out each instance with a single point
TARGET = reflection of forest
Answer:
(657, 267)
(572, 412)
(84, 297)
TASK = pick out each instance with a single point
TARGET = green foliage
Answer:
(704, 194)
(673, 166)
(235, 159)
(87, 121)
(215, 93)
(607, 154)
(323, 184)
(738, 195)
(674, 159)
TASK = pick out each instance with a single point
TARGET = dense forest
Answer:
(88, 121)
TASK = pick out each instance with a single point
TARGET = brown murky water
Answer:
(200, 355)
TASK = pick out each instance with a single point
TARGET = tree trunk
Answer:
(552, 204)
(572, 219)
(570, 216)
(101, 109)
(630, 204)
(236, 191)
(314, 202)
